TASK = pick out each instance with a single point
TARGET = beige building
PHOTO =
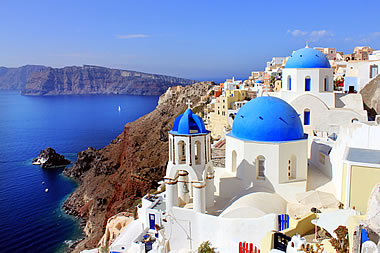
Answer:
(361, 172)
(360, 54)
(217, 121)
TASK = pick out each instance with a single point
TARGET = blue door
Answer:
(307, 84)
(152, 221)
(306, 117)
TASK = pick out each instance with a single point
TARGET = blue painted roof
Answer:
(267, 119)
(188, 123)
(307, 58)
(258, 81)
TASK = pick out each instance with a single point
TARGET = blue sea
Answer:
(31, 220)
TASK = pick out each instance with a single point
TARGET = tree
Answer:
(272, 80)
(206, 247)
(340, 244)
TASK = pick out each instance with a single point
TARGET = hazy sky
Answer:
(194, 39)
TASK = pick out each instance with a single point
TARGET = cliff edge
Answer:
(114, 178)
(94, 80)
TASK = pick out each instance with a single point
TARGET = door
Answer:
(152, 221)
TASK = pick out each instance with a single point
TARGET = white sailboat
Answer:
(118, 108)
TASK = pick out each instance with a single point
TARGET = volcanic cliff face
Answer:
(98, 80)
(371, 97)
(16, 78)
(113, 178)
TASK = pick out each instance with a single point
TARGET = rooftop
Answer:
(362, 155)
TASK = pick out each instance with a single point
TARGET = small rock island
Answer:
(49, 158)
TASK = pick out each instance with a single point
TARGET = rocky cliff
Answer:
(371, 97)
(16, 78)
(98, 80)
(115, 177)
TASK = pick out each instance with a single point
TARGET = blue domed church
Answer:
(266, 151)
(189, 175)
(307, 85)
(308, 70)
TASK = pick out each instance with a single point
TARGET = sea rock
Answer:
(49, 158)
(94, 160)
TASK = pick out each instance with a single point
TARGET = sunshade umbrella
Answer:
(317, 199)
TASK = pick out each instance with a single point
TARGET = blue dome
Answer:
(258, 81)
(307, 58)
(188, 123)
(267, 119)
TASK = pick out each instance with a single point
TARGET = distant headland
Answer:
(35, 80)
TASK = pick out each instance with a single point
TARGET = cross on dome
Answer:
(188, 103)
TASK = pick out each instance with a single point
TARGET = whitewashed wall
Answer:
(188, 229)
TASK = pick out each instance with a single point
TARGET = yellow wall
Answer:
(363, 179)
(301, 226)
(219, 117)
(344, 180)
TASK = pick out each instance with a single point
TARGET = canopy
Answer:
(317, 199)
(332, 220)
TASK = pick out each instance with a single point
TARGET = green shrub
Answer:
(206, 247)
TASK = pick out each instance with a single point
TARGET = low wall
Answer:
(301, 226)
(187, 229)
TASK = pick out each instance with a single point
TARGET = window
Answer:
(354, 120)
(292, 165)
(233, 161)
(289, 83)
(170, 149)
(207, 151)
(181, 152)
(306, 117)
(326, 85)
(197, 152)
(373, 71)
(260, 164)
(307, 84)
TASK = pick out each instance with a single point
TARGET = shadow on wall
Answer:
(320, 160)
(245, 182)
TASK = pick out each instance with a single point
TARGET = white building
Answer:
(359, 73)
(307, 84)
(266, 150)
(275, 65)
(266, 164)
(231, 84)
(374, 56)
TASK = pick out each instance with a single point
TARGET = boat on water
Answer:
(119, 108)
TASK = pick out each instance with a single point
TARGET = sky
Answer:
(201, 40)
